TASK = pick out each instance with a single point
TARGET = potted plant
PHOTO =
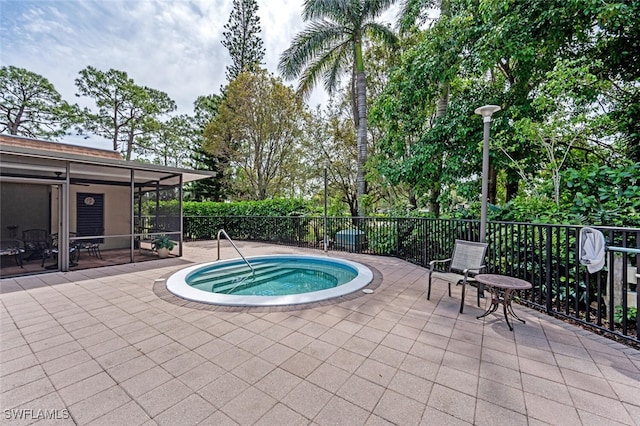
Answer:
(163, 245)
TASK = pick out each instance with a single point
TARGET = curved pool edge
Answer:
(177, 285)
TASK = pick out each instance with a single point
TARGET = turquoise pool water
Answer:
(272, 277)
(275, 280)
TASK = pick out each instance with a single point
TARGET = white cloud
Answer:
(169, 45)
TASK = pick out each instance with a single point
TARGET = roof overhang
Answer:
(87, 165)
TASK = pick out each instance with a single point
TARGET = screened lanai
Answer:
(66, 207)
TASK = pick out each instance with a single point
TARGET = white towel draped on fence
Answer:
(592, 249)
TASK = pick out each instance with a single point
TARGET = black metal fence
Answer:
(545, 255)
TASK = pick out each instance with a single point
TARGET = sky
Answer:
(169, 45)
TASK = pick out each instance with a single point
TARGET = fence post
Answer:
(547, 265)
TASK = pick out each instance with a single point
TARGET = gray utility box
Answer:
(352, 240)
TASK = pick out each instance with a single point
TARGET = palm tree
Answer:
(332, 45)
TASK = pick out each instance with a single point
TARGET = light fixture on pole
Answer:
(486, 112)
(324, 223)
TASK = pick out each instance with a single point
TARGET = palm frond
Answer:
(371, 9)
(307, 45)
(336, 10)
(326, 47)
(331, 60)
(339, 61)
(381, 32)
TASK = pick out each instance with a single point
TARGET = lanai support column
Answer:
(63, 209)
(132, 191)
(180, 217)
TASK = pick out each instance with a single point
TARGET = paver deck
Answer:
(101, 347)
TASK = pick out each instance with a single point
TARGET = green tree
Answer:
(379, 61)
(415, 113)
(211, 189)
(242, 38)
(561, 136)
(519, 42)
(257, 128)
(567, 67)
(563, 73)
(31, 106)
(415, 12)
(145, 118)
(612, 52)
(332, 45)
(332, 146)
(604, 195)
(124, 109)
(169, 142)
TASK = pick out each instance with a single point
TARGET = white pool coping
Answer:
(177, 284)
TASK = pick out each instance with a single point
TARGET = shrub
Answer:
(209, 217)
(632, 314)
(273, 207)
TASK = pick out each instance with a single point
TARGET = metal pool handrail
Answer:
(222, 231)
(624, 249)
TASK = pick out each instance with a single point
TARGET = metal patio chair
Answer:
(466, 261)
(91, 245)
(35, 243)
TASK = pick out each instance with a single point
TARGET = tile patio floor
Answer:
(100, 347)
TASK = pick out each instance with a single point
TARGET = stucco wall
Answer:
(117, 211)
